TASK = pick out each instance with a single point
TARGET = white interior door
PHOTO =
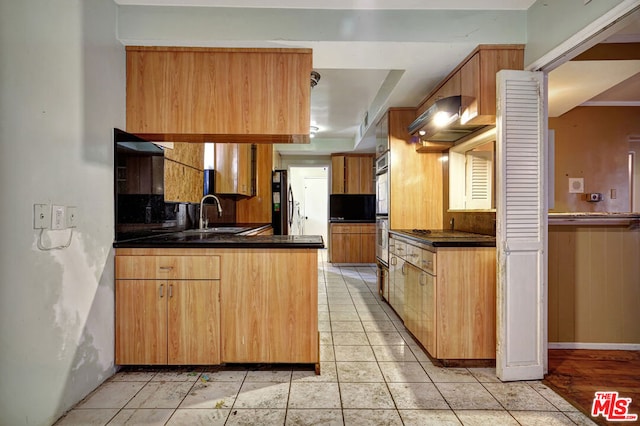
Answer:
(521, 227)
(315, 207)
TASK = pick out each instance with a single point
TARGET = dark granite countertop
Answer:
(446, 238)
(217, 238)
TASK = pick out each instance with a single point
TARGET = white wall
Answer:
(62, 82)
(550, 23)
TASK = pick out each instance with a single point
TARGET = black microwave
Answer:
(352, 207)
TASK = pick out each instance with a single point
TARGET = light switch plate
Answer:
(41, 216)
(576, 185)
(72, 216)
(58, 219)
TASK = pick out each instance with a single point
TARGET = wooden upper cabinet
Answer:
(337, 174)
(352, 174)
(478, 82)
(190, 154)
(234, 165)
(475, 80)
(219, 94)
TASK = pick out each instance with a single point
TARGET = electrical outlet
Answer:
(41, 216)
(72, 216)
(58, 217)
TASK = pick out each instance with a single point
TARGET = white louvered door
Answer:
(521, 227)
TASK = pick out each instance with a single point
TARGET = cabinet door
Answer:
(397, 298)
(427, 313)
(367, 243)
(233, 168)
(270, 311)
(337, 174)
(194, 333)
(352, 177)
(366, 174)
(412, 302)
(141, 322)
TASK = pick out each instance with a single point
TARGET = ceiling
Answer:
(383, 53)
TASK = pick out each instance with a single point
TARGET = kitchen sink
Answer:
(218, 230)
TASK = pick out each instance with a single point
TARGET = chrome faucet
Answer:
(201, 224)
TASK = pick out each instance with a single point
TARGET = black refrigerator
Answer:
(281, 203)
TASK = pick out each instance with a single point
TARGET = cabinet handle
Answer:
(161, 290)
(166, 268)
(171, 290)
(402, 270)
(394, 261)
(420, 280)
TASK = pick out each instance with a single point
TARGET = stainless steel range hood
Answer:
(441, 122)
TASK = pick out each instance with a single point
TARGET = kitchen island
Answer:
(204, 298)
(443, 285)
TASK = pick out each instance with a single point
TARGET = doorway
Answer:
(310, 187)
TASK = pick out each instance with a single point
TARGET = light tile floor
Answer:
(373, 373)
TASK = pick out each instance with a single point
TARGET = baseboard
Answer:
(595, 346)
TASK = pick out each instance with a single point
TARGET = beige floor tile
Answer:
(359, 372)
(372, 418)
(354, 353)
(468, 396)
(160, 395)
(365, 395)
(314, 395)
(89, 417)
(343, 316)
(403, 372)
(198, 417)
(226, 374)
(385, 338)
(519, 396)
(327, 353)
(212, 395)
(313, 417)
(324, 326)
(448, 375)
(373, 316)
(429, 417)
(419, 353)
(328, 373)
(579, 418)
(349, 339)
(541, 418)
(548, 394)
(324, 316)
(263, 395)
(417, 396)
(378, 326)
(269, 374)
(177, 375)
(112, 395)
(326, 338)
(346, 307)
(347, 326)
(484, 375)
(393, 353)
(142, 416)
(486, 417)
(132, 376)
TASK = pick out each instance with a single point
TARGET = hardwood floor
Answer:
(577, 374)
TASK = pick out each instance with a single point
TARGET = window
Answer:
(472, 173)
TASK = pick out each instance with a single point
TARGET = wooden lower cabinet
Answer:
(212, 306)
(352, 243)
(270, 308)
(156, 322)
(446, 297)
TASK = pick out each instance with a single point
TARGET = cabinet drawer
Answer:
(168, 267)
(428, 261)
(398, 247)
(345, 229)
(414, 255)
